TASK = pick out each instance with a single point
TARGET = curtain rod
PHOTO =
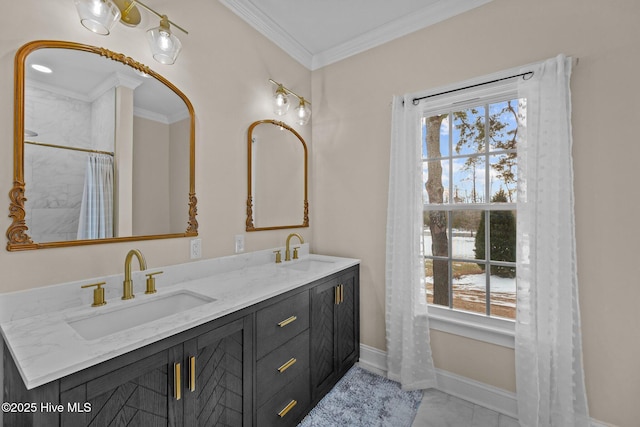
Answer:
(416, 101)
(86, 150)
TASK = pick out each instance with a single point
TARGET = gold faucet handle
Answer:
(278, 256)
(151, 282)
(295, 252)
(98, 294)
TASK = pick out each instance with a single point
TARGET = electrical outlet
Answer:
(196, 248)
(239, 243)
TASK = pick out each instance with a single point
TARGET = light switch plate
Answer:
(239, 243)
(196, 248)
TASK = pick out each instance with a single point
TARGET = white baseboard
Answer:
(494, 398)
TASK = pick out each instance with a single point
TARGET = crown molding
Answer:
(437, 12)
(271, 30)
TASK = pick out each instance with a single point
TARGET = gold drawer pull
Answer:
(192, 373)
(285, 322)
(287, 365)
(176, 381)
(287, 408)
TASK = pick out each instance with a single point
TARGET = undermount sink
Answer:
(134, 314)
(308, 264)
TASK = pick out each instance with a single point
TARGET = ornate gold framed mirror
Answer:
(277, 177)
(104, 150)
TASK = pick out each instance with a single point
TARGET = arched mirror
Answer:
(104, 150)
(277, 177)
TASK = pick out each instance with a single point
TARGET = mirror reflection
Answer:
(277, 177)
(104, 147)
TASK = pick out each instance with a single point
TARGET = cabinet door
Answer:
(218, 378)
(335, 330)
(323, 328)
(140, 394)
(347, 322)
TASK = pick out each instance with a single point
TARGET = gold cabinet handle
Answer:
(341, 294)
(176, 381)
(192, 373)
(285, 322)
(287, 365)
(287, 408)
(336, 292)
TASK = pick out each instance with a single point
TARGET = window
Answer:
(469, 152)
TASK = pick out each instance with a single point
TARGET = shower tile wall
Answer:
(55, 177)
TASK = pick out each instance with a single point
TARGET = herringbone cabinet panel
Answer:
(141, 402)
(219, 383)
(346, 327)
(136, 395)
(322, 337)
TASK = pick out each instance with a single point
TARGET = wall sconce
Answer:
(100, 16)
(281, 104)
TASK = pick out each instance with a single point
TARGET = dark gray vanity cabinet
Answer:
(200, 377)
(196, 383)
(265, 365)
(138, 394)
(335, 331)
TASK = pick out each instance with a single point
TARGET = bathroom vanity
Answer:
(258, 344)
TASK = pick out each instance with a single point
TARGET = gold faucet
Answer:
(127, 285)
(287, 253)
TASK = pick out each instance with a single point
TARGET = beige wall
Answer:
(351, 131)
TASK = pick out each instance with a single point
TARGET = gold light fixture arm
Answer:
(128, 7)
(286, 89)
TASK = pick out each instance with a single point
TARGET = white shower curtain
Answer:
(549, 372)
(409, 359)
(96, 212)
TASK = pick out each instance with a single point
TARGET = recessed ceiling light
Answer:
(41, 68)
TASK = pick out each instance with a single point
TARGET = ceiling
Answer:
(320, 32)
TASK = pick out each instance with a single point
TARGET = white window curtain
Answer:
(549, 372)
(409, 359)
(96, 211)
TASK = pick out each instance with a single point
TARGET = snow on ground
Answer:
(477, 281)
(503, 290)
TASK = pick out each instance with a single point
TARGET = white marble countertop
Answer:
(45, 347)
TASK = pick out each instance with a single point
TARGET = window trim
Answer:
(494, 330)
(477, 326)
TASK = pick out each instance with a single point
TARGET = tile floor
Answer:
(439, 409)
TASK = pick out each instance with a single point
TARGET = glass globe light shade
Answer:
(303, 112)
(165, 46)
(280, 101)
(98, 16)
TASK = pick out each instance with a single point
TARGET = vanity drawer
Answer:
(282, 365)
(280, 322)
(286, 407)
